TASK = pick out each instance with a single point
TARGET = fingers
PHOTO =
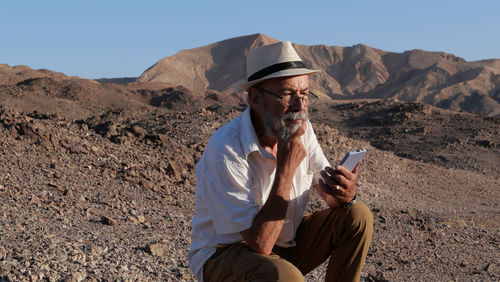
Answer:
(355, 170)
(341, 195)
(289, 156)
(331, 185)
(341, 175)
(339, 181)
(344, 172)
(300, 131)
(335, 190)
(328, 179)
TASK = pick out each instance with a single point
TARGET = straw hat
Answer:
(273, 60)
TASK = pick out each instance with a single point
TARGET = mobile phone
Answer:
(352, 158)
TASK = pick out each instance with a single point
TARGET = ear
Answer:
(253, 97)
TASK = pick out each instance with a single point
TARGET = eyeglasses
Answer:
(286, 99)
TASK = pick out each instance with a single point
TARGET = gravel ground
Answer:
(111, 197)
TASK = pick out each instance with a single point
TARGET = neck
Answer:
(270, 143)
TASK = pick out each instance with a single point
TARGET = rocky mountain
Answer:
(355, 72)
(219, 66)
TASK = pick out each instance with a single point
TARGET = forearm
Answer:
(268, 223)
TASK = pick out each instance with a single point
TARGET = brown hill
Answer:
(24, 90)
(12, 75)
(49, 92)
(435, 78)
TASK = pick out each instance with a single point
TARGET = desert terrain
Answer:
(97, 179)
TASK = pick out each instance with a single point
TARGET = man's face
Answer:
(283, 117)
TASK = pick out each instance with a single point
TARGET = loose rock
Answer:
(158, 249)
(108, 220)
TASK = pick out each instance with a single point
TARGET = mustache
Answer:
(295, 115)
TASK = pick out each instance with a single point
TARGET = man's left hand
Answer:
(338, 183)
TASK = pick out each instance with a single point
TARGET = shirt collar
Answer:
(248, 137)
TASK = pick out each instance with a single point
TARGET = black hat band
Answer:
(276, 68)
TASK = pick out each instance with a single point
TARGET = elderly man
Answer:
(254, 181)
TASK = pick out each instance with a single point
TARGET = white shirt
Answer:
(233, 180)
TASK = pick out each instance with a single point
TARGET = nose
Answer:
(297, 103)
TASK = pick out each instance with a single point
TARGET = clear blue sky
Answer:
(95, 39)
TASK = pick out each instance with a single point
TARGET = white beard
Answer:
(277, 127)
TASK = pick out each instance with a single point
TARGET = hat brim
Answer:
(283, 73)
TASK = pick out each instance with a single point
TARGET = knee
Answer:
(288, 272)
(360, 218)
(276, 269)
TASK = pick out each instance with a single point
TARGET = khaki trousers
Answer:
(343, 235)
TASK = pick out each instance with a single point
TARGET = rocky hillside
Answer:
(25, 90)
(434, 78)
